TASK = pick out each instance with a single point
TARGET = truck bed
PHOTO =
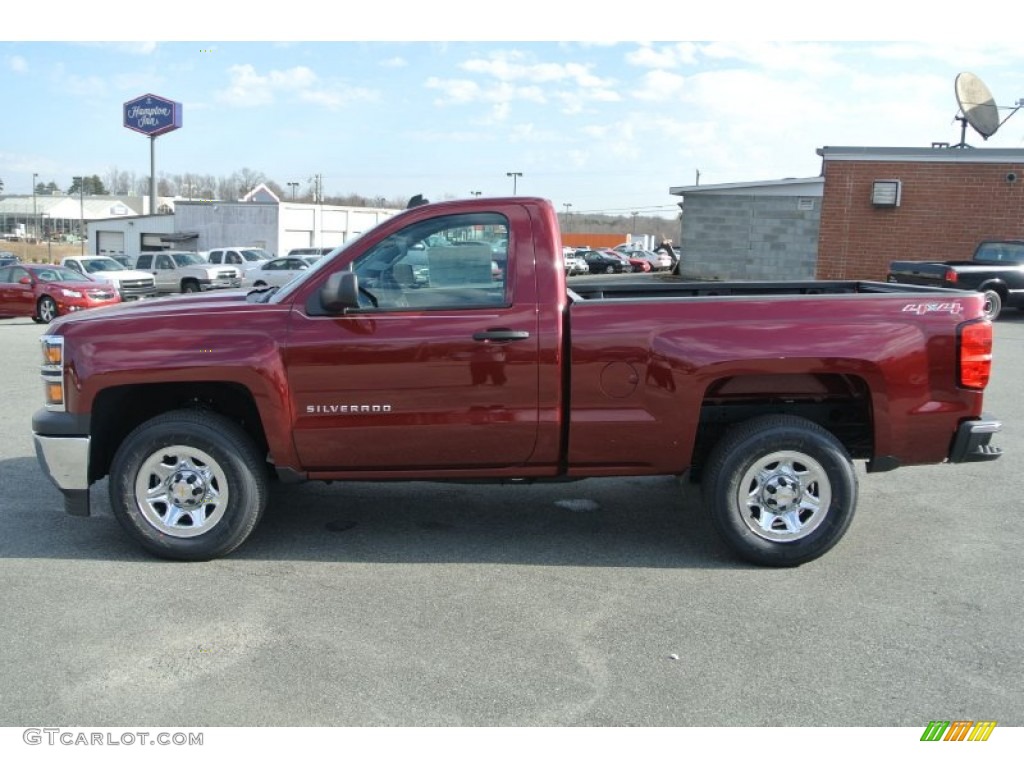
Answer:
(671, 286)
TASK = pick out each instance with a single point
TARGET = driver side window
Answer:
(450, 262)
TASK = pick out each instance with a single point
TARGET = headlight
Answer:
(53, 371)
(71, 294)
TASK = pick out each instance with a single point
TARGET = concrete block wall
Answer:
(946, 209)
(750, 237)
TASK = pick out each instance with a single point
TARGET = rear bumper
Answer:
(973, 441)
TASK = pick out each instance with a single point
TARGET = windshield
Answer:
(187, 259)
(255, 254)
(288, 288)
(102, 265)
(56, 274)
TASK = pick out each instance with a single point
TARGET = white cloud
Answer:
(454, 91)
(140, 48)
(663, 57)
(336, 98)
(17, 64)
(396, 62)
(250, 89)
(512, 65)
(659, 85)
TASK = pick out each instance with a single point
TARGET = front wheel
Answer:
(188, 485)
(190, 286)
(781, 490)
(46, 310)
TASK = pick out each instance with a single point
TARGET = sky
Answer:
(593, 125)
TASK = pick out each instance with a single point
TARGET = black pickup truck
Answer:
(997, 270)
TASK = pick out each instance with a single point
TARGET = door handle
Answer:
(500, 334)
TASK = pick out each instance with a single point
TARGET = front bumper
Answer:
(973, 441)
(220, 282)
(63, 454)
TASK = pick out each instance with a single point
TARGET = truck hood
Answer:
(196, 303)
(122, 274)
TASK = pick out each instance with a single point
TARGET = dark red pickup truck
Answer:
(446, 345)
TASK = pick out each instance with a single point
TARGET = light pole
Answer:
(567, 219)
(80, 180)
(294, 185)
(515, 177)
(35, 220)
(634, 222)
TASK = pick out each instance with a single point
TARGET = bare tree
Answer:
(227, 187)
(248, 180)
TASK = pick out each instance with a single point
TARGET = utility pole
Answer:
(80, 180)
(515, 177)
(294, 185)
(35, 221)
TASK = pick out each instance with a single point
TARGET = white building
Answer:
(40, 216)
(199, 225)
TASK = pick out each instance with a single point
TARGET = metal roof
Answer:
(938, 154)
(808, 187)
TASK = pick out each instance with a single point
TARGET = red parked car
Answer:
(44, 291)
(629, 263)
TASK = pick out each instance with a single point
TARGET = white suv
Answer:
(246, 258)
(186, 272)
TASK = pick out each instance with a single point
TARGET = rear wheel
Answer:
(781, 490)
(188, 485)
(190, 286)
(993, 304)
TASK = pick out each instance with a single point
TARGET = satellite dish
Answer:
(977, 106)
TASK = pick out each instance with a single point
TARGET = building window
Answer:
(885, 193)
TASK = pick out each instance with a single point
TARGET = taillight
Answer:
(975, 353)
(951, 276)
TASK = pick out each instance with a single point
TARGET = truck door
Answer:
(440, 368)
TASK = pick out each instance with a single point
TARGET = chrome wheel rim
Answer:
(993, 304)
(784, 496)
(182, 491)
(47, 310)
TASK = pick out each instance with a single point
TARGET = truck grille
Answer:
(140, 283)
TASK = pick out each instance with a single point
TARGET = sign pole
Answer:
(152, 116)
(152, 175)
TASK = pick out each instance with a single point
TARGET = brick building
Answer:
(929, 204)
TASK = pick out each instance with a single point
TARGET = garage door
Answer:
(110, 243)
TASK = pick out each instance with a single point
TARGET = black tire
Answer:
(46, 310)
(774, 464)
(169, 460)
(993, 305)
(190, 286)
(609, 269)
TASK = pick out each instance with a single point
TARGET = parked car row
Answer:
(44, 291)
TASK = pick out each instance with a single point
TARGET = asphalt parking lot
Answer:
(600, 603)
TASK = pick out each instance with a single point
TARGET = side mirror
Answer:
(341, 292)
